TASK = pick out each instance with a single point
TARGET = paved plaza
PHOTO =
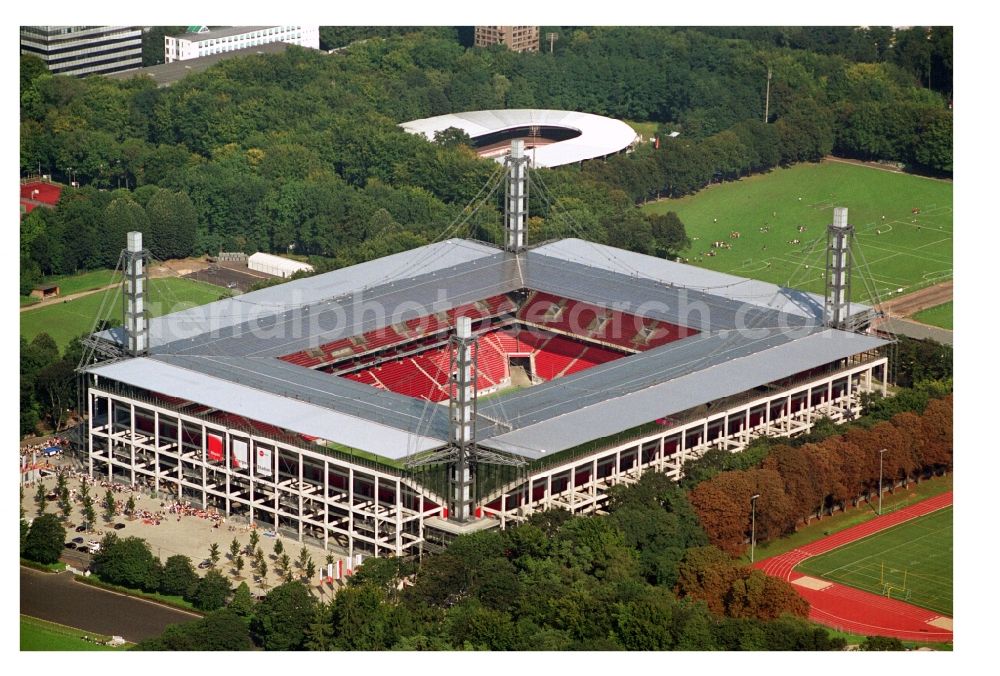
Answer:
(189, 535)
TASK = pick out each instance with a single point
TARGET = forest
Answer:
(301, 151)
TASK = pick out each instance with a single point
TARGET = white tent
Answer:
(276, 265)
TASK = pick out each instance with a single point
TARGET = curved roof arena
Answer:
(597, 136)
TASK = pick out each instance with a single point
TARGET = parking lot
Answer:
(189, 535)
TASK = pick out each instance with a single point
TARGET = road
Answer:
(59, 598)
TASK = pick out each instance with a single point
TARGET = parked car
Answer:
(93, 546)
(119, 526)
(205, 564)
(80, 529)
(78, 540)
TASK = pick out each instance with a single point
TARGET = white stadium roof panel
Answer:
(285, 412)
(599, 136)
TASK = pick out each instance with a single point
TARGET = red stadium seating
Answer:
(554, 354)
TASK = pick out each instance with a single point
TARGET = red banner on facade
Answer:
(215, 453)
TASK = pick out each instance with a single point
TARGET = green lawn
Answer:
(40, 635)
(67, 320)
(646, 129)
(84, 281)
(911, 562)
(903, 250)
(939, 315)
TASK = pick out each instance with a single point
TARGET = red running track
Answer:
(853, 610)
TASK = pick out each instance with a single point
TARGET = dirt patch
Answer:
(177, 268)
(911, 303)
(229, 276)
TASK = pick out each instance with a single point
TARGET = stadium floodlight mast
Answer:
(880, 480)
(753, 523)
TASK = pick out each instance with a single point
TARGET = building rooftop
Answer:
(751, 333)
(167, 74)
(220, 32)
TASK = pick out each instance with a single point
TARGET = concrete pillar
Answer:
(326, 504)
(350, 513)
(90, 434)
(399, 518)
(299, 491)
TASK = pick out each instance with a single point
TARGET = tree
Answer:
(362, 619)
(223, 629)
(110, 505)
(286, 562)
(262, 571)
(55, 387)
(40, 498)
(213, 553)
(89, 513)
(243, 602)
(300, 563)
(278, 547)
(239, 563)
(669, 235)
(281, 619)
(178, 577)
(45, 538)
(130, 506)
(254, 539)
(234, 548)
(65, 506)
(173, 223)
(211, 592)
(128, 562)
(310, 569)
(882, 643)
(452, 137)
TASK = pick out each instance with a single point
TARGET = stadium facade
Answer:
(388, 406)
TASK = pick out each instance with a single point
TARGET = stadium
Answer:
(553, 137)
(384, 408)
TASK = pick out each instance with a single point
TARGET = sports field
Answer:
(904, 249)
(40, 635)
(912, 562)
(65, 321)
(939, 315)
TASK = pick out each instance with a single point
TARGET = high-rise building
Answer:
(201, 41)
(517, 38)
(84, 50)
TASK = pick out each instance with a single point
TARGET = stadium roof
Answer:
(599, 136)
(224, 354)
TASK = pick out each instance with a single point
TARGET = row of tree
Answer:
(640, 578)
(48, 382)
(797, 483)
(88, 229)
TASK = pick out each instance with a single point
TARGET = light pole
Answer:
(753, 523)
(880, 480)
